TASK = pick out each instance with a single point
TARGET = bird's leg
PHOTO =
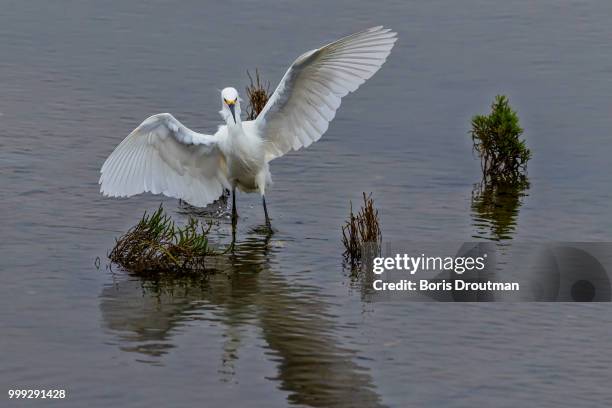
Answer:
(233, 244)
(266, 212)
(234, 212)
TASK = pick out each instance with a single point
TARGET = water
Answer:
(282, 324)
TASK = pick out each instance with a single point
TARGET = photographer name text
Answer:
(457, 265)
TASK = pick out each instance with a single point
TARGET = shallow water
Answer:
(282, 323)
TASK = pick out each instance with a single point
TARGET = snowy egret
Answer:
(164, 156)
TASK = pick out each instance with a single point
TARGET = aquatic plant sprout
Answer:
(258, 95)
(361, 233)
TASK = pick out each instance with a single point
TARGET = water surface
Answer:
(282, 324)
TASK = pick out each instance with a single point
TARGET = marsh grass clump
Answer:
(258, 94)
(157, 245)
(496, 137)
(361, 233)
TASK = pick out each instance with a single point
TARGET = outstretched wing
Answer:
(163, 156)
(306, 99)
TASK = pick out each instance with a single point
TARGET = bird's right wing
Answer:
(163, 156)
(306, 99)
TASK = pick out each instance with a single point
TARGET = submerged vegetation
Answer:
(361, 234)
(156, 244)
(496, 138)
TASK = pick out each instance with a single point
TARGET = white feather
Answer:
(163, 156)
(306, 99)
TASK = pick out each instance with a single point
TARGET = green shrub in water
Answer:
(496, 137)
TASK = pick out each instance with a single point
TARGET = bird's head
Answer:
(230, 105)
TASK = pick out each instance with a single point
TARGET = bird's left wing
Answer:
(164, 156)
(306, 99)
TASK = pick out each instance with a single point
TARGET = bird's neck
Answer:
(235, 129)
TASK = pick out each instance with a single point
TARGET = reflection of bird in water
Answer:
(145, 312)
(291, 318)
(164, 156)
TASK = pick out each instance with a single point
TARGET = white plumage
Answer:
(163, 156)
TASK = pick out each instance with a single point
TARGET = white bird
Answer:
(164, 156)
